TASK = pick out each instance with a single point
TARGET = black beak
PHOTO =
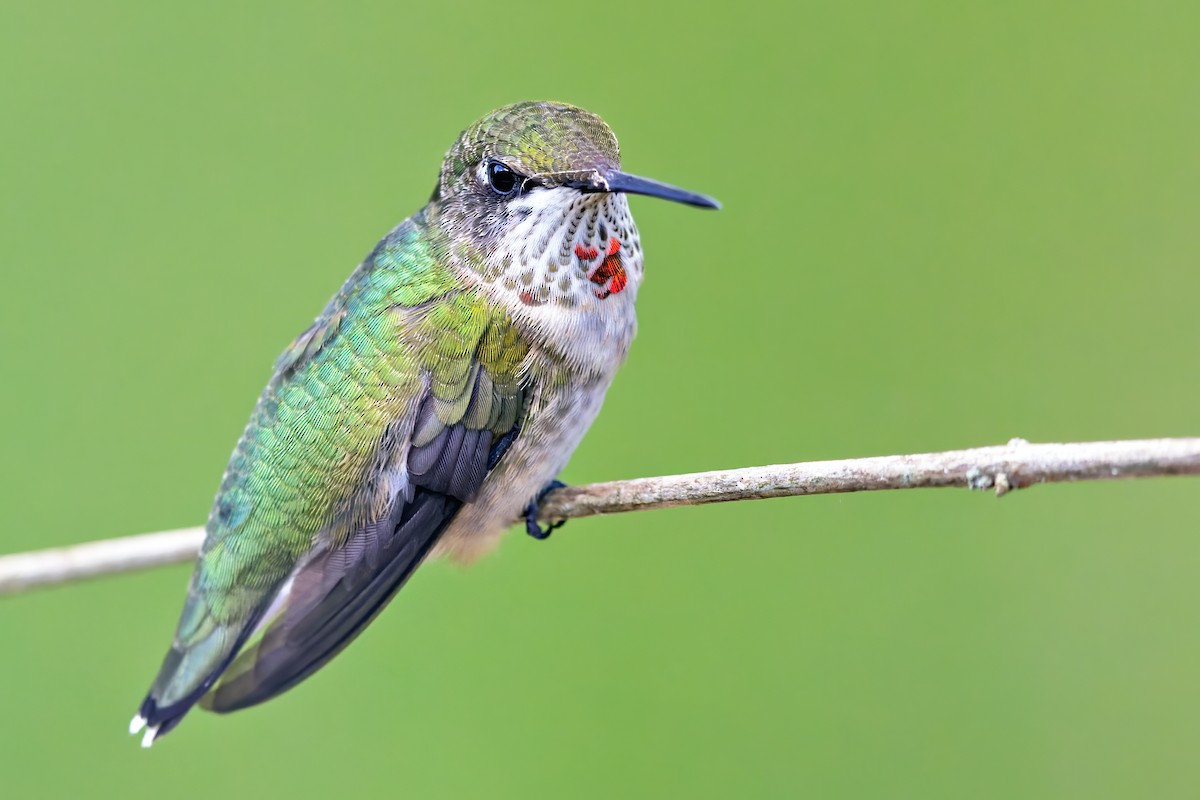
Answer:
(613, 180)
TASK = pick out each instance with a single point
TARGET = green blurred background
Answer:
(945, 224)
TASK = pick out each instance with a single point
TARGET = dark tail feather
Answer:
(332, 599)
(160, 720)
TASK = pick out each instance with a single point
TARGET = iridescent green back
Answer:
(309, 467)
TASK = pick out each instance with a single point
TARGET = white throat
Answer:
(568, 271)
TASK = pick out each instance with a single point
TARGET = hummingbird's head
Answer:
(533, 197)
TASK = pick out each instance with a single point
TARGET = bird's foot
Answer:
(531, 513)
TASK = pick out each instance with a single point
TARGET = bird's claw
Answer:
(531, 513)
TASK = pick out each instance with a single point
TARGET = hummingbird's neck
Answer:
(566, 267)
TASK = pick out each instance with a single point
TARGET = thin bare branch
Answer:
(1002, 469)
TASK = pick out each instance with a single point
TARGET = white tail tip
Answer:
(148, 737)
(136, 724)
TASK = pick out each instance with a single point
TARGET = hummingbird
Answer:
(433, 401)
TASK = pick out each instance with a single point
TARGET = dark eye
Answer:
(502, 179)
